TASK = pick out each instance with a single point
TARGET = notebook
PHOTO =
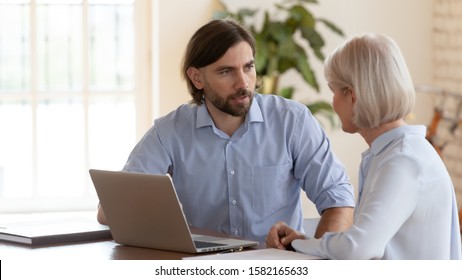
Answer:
(143, 210)
(53, 231)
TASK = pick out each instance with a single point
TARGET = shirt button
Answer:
(234, 202)
(236, 232)
(232, 172)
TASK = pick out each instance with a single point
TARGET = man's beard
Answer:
(226, 106)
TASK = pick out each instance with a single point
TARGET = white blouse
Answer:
(406, 205)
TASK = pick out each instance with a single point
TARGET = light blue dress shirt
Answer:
(406, 208)
(243, 184)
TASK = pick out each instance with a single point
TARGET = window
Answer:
(73, 91)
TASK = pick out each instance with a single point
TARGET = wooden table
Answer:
(95, 250)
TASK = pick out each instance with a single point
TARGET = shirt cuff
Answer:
(306, 246)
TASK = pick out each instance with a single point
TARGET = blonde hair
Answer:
(373, 66)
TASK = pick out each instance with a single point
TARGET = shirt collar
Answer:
(254, 115)
(396, 133)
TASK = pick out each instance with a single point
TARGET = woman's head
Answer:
(373, 67)
(209, 44)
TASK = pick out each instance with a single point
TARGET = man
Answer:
(238, 159)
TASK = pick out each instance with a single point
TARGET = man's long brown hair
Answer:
(209, 44)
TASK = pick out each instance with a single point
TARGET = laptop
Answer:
(143, 210)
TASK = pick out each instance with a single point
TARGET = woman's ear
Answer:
(196, 77)
(353, 95)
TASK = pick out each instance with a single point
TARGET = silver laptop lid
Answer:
(129, 200)
(143, 210)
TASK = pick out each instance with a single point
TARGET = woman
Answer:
(406, 207)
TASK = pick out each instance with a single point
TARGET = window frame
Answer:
(142, 93)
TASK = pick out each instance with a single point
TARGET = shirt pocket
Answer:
(271, 186)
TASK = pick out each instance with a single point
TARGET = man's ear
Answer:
(196, 77)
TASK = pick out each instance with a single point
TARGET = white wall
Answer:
(408, 22)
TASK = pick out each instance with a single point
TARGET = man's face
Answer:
(229, 83)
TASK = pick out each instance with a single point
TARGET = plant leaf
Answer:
(287, 92)
(242, 13)
(331, 26)
(306, 71)
(301, 16)
(261, 56)
(320, 106)
(315, 40)
(307, 1)
(324, 109)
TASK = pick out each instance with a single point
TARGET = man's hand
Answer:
(281, 235)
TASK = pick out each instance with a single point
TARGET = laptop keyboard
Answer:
(204, 244)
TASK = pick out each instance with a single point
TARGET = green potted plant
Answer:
(282, 40)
